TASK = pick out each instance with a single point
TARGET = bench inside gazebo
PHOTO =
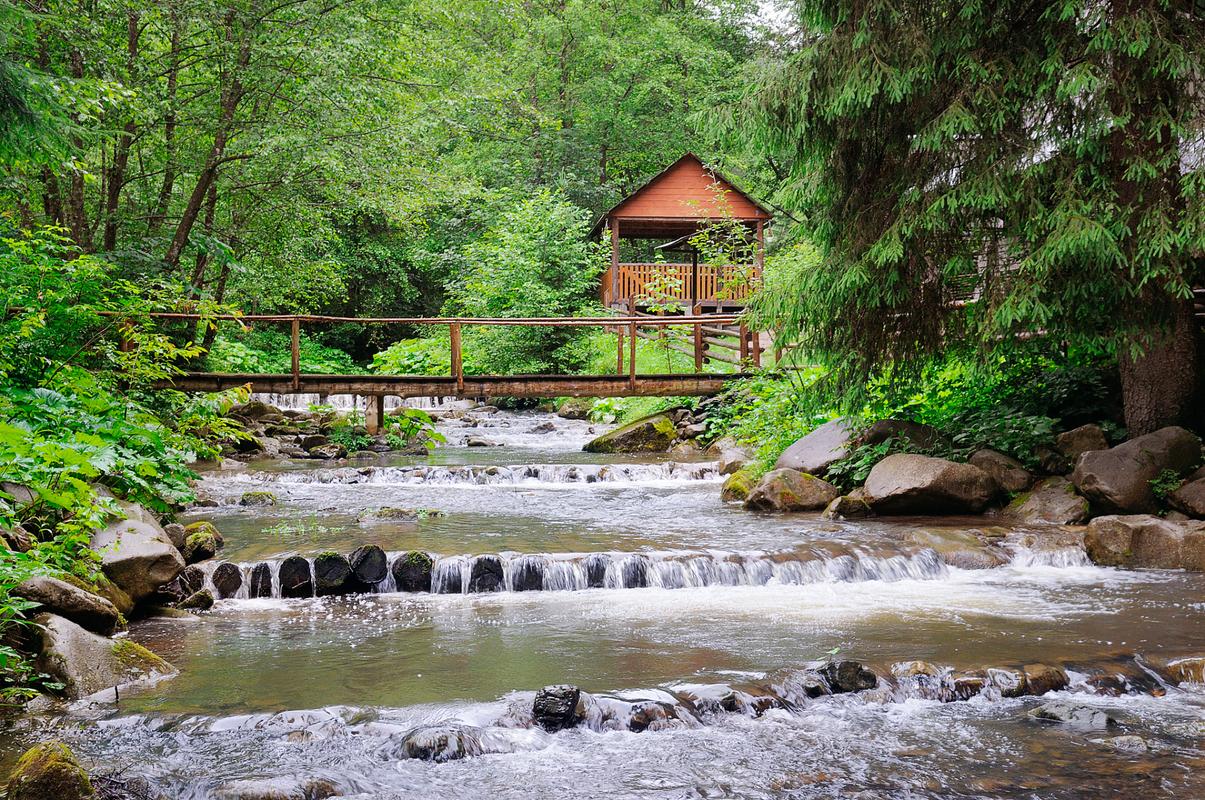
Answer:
(653, 260)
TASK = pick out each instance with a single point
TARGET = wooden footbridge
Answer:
(720, 347)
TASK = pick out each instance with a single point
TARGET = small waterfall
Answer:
(519, 572)
(344, 402)
(1052, 557)
(522, 474)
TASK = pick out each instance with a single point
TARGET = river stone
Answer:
(296, 580)
(849, 506)
(277, 789)
(331, 573)
(1053, 500)
(596, 570)
(1083, 439)
(440, 743)
(328, 451)
(1007, 471)
(136, 554)
(1043, 678)
(369, 566)
(789, 490)
(919, 435)
(818, 450)
(730, 456)
(412, 572)
(913, 484)
(575, 408)
(1073, 715)
(847, 676)
(86, 663)
(1119, 479)
(312, 441)
(635, 572)
(67, 600)
(652, 434)
(486, 575)
(556, 708)
(1008, 681)
(1187, 670)
(1146, 541)
(1190, 498)
(197, 601)
(652, 716)
(253, 410)
(261, 581)
(737, 486)
(257, 499)
(16, 538)
(176, 534)
(48, 771)
(1128, 744)
(227, 579)
(199, 546)
(527, 574)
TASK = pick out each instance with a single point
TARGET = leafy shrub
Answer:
(414, 357)
(270, 350)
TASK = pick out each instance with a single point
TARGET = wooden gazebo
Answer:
(674, 206)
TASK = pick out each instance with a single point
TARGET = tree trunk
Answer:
(1159, 386)
(115, 180)
(159, 213)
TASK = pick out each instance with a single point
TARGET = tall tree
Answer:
(1046, 156)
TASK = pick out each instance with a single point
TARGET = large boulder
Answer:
(67, 600)
(1083, 439)
(49, 771)
(1190, 498)
(651, 434)
(917, 434)
(913, 484)
(1009, 473)
(817, 451)
(1053, 500)
(136, 554)
(1146, 541)
(556, 708)
(86, 663)
(788, 490)
(1119, 479)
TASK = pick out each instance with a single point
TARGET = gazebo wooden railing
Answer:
(641, 282)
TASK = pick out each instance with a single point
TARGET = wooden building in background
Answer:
(673, 207)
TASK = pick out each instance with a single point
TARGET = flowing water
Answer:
(630, 579)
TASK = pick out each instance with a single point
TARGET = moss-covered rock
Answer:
(199, 546)
(789, 490)
(86, 663)
(257, 499)
(737, 486)
(197, 601)
(412, 571)
(652, 434)
(49, 771)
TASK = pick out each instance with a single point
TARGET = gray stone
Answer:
(136, 554)
(328, 451)
(1119, 479)
(847, 676)
(175, 533)
(556, 708)
(917, 434)
(1073, 715)
(730, 456)
(817, 451)
(1190, 498)
(850, 506)
(312, 441)
(86, 663)
(277, 789)
(1053, 500)
(1083, 439)
(914, 484)
(440, 743)
(479, 441)
(1007, 471)
(652, 434)
(1146, 541)
(789, 490)
(67, 600)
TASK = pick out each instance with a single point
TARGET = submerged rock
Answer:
(412, 571)
(556, 708)
(277, 789)
(59, 597)
(652, 434)
(847, 676)
(1119, 479)
(1053, 501)
(49, 771)
(296, 580)
(440, 743)
(136, 553)
(257, 499)
(86, 663)
(913, 484)
(1145, 541)
(818, 450)
(486, 575)
(1074, 715)
(331, 573)
(789, 490)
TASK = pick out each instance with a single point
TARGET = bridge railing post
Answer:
(295, 337)
(457, 357)
(632, 357)
(619, 350)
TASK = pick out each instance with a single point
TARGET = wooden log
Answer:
(698, 347)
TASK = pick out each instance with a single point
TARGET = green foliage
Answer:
(534, 262)
(269, 350)
(769, 412)
(408, 425)
(414, 357)
(1165, 483)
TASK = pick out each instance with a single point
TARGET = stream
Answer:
(628, 577)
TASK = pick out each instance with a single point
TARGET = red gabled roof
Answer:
(688, 191)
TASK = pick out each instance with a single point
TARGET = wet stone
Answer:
(197, 601)
(528, 575)
(412, 572)
(847, 676)
(331, 574)
(556, 708)
(1043, 678)
(635, 572)
(596, 570)
(369, 566)
(486, 575)
(295, 578)
(261, 580)
(1073, 715)
(440, 743)
(227, 579)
